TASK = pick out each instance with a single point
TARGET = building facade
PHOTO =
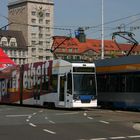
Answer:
(81, 48)
(14, 45)
(35, 19)
(72, 49)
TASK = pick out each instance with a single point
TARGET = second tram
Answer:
(118, 81)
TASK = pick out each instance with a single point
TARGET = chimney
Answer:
(80, 35)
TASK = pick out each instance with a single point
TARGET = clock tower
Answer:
(35, 19)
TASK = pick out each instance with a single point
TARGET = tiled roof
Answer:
(90, 44)
(126, 47)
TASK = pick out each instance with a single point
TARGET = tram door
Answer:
(62, 88)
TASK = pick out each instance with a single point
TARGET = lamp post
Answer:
(102, 33)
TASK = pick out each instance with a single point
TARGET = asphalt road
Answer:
(24, 123)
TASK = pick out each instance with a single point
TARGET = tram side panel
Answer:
(9, 88)
(36, 82)
(119, 90)
(27, 84)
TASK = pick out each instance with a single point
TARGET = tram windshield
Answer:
(84, 84)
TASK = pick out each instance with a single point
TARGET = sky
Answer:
(71, 14)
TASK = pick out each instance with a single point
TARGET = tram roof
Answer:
(121, 64)
(125, 60)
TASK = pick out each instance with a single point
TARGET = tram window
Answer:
(103, 83)
(129, 83)
(119, 82)
(132, 82)
(123, 83)
(45, 84)
(136, 81)
(111, 83)
(53, 83)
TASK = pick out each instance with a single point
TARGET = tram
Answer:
(54, 83)
(118, 81)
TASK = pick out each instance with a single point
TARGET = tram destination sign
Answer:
(83, 69)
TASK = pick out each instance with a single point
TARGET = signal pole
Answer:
(102, 34)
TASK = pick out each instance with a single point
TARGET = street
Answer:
(59, 124)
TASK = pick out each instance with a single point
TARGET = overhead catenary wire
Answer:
(87, 28)
(126, 26)
(96, 26)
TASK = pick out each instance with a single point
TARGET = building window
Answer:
(19, 53)
(76, 50)
(40, 57)
(70, 49)
(34, 29)
(41, 21)
(47, 42)
(13, 42)
(58, 50)
(15, 52)
(40, 29)
(33, 57)
(47, 57)
(33, 50)
(40, 42)
(33, 35)
(63, 50)
(48, 36)
(11, 52)
(47, 29)
(40, 35)
(47, 22)
(40, 50)
(4, 43)
(78, 57)
(33, 13)
(33, 20)
(47, 14)
(33, 42)
(23, 53)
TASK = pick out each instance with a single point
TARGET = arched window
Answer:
(4, 41)
(13, 42)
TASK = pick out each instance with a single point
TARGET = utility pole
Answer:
(102, 33)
